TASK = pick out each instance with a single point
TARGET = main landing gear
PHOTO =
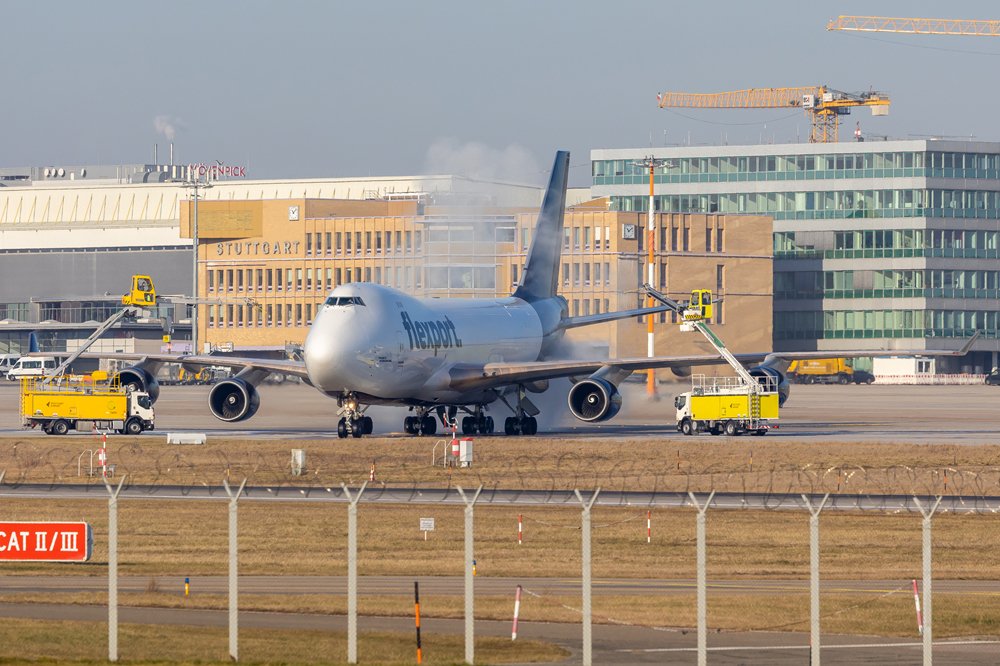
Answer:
(522, 423)
(354, 423)
(423, 423)
(478, 422)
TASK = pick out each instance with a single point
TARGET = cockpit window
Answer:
(344, 300)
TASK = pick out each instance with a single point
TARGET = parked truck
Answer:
(827, 371)
(727, 405)
(80, 404)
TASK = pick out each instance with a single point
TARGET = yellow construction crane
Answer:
(922, 26)
(823, 105)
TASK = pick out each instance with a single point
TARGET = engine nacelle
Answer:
(682, 371)
(139, 379)
(233, 400)
(768, 375)
(594, 400)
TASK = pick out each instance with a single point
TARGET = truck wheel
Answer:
(59, 427)
(759, 432)
(716, 430)
(686, 427)
(133, 426)
(843, 379)
(730, 428)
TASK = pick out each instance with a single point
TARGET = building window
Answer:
(309, 279)
(298, 314)
(708, 238)
(357, 243)
(673, 238)
(328, 248)
(270, 314)
(718, 237)
(309, 245)
(339, 236)
(229, 279)
(211, 280)
(270, 280)
(368, 241)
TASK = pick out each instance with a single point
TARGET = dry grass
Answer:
(189, 538)
(701, 464)
(78, 643)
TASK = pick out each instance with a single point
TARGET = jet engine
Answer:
(234, 400)
(766, 374)
(594, 400)
(682, 371)
(137, 378)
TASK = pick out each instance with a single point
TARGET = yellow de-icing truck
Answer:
(724, 405)
(79, 403)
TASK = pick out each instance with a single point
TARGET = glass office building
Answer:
(877, 244)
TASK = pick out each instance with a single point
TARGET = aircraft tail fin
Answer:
(33, 343)
(540, 278)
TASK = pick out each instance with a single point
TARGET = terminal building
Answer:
(270, 251)
(275, 261)
(877, 244)
(71, 237)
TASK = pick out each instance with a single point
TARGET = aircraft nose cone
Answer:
(320, 356)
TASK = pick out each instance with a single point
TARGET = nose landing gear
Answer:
(353, 423)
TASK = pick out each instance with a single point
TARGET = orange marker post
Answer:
(416, 604)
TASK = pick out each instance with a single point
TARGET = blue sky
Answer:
(309, 89)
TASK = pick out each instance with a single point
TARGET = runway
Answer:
(963, 414)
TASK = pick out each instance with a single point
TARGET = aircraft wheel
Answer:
(342, 428)
(428, 426)
(368, 424)
(60, 427)
(730, 428)
(510, 425)
(467, 428)
(528, 426)
(489, 426)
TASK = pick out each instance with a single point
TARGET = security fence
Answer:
(927, 506)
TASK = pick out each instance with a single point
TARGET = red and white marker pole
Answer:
(517, 610)
(916, 602)
(649, 526)
(520, 532)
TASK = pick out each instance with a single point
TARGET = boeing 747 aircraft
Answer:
(374, 345)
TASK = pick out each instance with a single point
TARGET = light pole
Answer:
(194, 183)
(650, 163)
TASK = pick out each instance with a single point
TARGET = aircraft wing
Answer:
(282, 366)
(468, 376)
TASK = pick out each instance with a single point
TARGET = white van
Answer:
(7, 361)
(31, 366)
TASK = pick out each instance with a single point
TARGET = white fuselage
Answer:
(388, 347)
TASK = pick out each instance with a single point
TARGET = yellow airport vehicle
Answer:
(730, 405)
(723, 405)
(82, 403)
(827, 371)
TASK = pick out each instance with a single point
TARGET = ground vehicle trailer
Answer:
(821, 371)
(59, 407)
(727, 405)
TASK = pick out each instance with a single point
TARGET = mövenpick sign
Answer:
(45, 542)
